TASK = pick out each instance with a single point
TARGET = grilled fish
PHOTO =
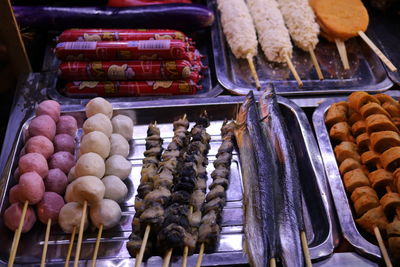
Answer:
(254, 242)
(290, 212)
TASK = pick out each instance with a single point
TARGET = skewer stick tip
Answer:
(294, 71)
(306, 251)
(253, 71)
(46, 243)
(167, 258)
(382, 247)
(342, 53)
(201, 253)
(184, 116)
(80, 235)
(316, 64)
(71, 244)
(272, 262)
(139, 257)
(96, 248)
(377, 51)
(17, 235)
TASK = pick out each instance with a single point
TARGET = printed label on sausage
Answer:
(80, 46)
(154, 45)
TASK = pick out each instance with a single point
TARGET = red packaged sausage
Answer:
(125, 89)
(132, 50)
(98, 35)
(127, 70)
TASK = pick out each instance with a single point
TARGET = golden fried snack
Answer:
(365, 203)
(373, 217)
(346, 150)
(341, 19)
(382, 141)
(358, 99)
(336, 113)
(354, 116)
(392, 108)
(363, 142)
(396, 177)
(370, 158)
(361, 191)
(358, 128)
(372, 108)
(393, 228)
(355, 178)
(384, 98)
(341, 132)
(396, 121)
(394, 247)
(389, 203)
(390, 159)
(379, 122)
(380, 178)
(348, 165)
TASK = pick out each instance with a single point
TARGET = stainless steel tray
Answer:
(343, 209)
(385, 32)
(320, 231)
(367, 72)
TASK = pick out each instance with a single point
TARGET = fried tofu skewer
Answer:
(239, 31)
(300, 21)
(272, 33)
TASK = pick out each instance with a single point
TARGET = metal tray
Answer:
(320, 232)
(211, 88)
(367, 72)
(343, 209)
(386, 35)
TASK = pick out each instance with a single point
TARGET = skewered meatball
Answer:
(107, 212)
(98, 105)
(12, 217)
(62, 160)
(30, 187)
(119, 145)
(42, 125)
(88, 188)
(90, 164)
(98, 122)
(56, 181)
(64, 142)
(123, 125)
(67, 125)
(49, 207)
(49, 107)
(71, 175)
(96, 142)
(119, 166)
(115, 189)
(13, 196)
(70, 216)
(40, 144)
(33, 162)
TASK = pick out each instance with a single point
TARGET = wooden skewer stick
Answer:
(139, 256)
(186, 248)
(71, 244)
(253, 71)
(342, 53)
(378, 52)
(382, 247)
(167, 258)
(272, 262)
(201, 253)
(17, 235)
(80, 235)
(316, 64)
(306, 251)
(294, 71)
(46, 243)
(96, 247)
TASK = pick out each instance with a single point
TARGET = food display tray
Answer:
(343, 209)
(211, 88)
(320, 231)
(366, 70)
(386, 35)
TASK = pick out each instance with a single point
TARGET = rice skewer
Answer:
(300, 21)
(239, 31)
(272, 33)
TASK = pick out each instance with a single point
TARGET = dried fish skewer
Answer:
(300, 21)
(210, 227)
(255, 246)
(291, 217)
(272, 33)
(239, 31)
